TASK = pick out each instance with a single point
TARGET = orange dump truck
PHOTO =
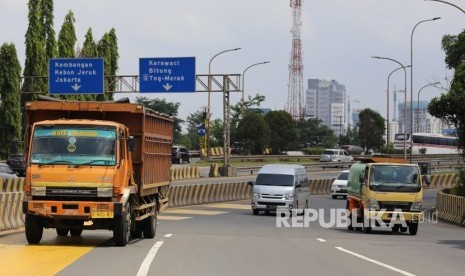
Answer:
(95, 165)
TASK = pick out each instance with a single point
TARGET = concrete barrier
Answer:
(11, 201)
(207, 193)
(186, 172)
(451, 208)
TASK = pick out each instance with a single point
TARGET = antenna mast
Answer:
(295, 95)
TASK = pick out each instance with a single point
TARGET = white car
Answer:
(339, 185)
(6, 171)
(335, 155)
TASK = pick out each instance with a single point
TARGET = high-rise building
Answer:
(326, 100)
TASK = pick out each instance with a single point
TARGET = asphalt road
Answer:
(226, 239)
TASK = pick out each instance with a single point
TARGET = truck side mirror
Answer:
(361, 179)
(131, 144)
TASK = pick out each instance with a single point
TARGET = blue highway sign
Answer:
(201, 130)
(167, 75)
(75, 76)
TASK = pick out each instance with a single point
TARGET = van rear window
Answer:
(275, 180)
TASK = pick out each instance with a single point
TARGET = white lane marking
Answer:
(168, 235)
(144, 267)
(376, 262)
(321, 240)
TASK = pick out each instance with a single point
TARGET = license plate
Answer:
(102, 214)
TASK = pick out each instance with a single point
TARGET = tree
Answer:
(283, 131)
(254, 132)
(10, 113)
(236, 112)
(449, 106)
(48, 31)
(314, 133)
(67, 37)
(164, 107)
(114, 57)
(35, 63)
(216, 139)
(371, 129)
(191, 138)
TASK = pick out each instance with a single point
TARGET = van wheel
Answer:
(334, 196)
(255, 212)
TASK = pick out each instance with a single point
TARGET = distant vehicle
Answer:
(433, 143)
(6, 171)
(237, 148)
(280, 186)
(339, 185)
(180, 154)
(352, 149)
(335, 155)
(17, 163)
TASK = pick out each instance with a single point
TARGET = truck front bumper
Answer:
(388, 216)
(73, 209)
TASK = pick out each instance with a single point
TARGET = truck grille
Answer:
(392, 205)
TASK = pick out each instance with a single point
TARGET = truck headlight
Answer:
(373, 204)
(104, 192)
(289, 196)
(38, 191)
(416, 206)
(256, 195)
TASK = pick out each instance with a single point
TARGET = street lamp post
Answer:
(243, 84)
(447, 4)
(411, 81)
(207, 140)
(418, 103)
(405, 100)
(387, 106)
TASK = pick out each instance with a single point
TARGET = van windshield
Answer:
(274, 180)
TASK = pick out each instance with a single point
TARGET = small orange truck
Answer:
(95, 165)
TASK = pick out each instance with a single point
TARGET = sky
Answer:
(338, 39)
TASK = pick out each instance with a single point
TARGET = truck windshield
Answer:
(395, 178)
(73, 145)
(275, 180)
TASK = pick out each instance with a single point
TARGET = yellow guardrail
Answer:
(451, 208)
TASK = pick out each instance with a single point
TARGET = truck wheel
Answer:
(334, 196)
(255, 212)
(121, 227)
(75, 232)
(149, 225)
(413, 228)
(34, 229)
(136, 233)
(62, 232)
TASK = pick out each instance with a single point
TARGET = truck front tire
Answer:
(413, 228)
(121, 227)
(34, 229)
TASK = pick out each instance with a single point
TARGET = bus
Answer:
(433, 143)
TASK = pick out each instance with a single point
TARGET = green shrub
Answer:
(460, 188)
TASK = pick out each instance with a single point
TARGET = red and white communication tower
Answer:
(295, 97)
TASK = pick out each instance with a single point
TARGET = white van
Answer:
(280, 186)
